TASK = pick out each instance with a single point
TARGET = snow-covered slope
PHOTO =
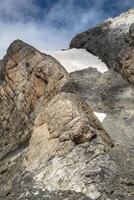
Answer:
(77, 59)
(123, 21)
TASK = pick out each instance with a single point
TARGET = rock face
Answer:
(43, 119)
(27, 78)
(1, 72)
(131, 30)
(52, 146)
(107, 39)
(109, 93)
(126, 57)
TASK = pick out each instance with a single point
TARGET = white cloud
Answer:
(15, 9)
(42, 37)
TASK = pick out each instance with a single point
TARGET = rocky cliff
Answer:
(52, 145)
(108, 39)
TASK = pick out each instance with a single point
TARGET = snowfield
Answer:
(78, 59)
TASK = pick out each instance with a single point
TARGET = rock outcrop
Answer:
(126, 57)
(107, 39)
(29, 75)
(43, 119)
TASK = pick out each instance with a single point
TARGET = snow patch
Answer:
(78, 59)
(100, 116)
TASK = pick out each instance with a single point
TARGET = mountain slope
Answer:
(42, 121)
(52, 145)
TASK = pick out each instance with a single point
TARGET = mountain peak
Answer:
(69, 135)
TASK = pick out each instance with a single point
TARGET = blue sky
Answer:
(51, 24)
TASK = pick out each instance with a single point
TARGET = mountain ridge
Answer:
(52, 146)
(108, 39)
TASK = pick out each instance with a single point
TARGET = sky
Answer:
(51, 24)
